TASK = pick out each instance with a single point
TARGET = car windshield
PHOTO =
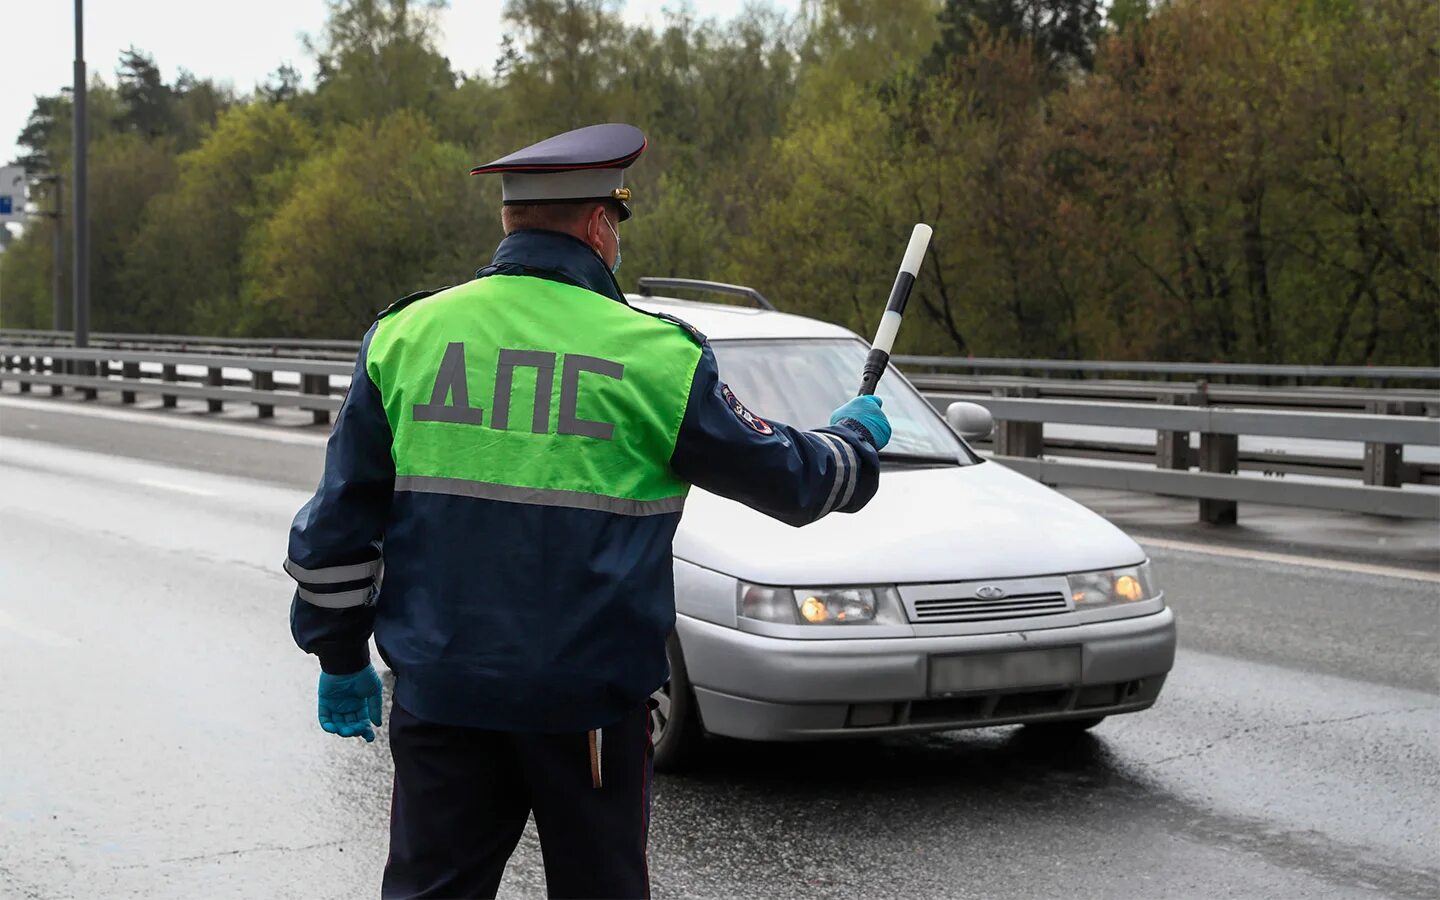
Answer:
(801, 382)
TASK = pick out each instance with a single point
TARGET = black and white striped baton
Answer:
(879, 356)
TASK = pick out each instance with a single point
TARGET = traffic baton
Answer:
(879, 356)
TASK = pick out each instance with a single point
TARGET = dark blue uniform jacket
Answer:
(513, 617)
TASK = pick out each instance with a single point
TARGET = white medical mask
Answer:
(615, 268)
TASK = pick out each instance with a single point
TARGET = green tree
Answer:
(184, 264)
(25, 295)
(386, 211)
(126, 171)
(567, 74)
(1207, 179)
(859, 42)
(375, 57)
(1062, 33)
(148, 103)
(678, 236)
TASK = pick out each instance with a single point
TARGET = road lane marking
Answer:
(171, 486)
(170, 420)
(1287, 559)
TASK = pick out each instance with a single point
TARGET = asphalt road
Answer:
(157, 736)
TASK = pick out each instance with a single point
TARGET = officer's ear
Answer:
(595, 229)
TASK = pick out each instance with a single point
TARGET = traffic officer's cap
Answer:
(585, 164)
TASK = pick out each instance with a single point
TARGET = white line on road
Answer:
(171, 486)
(169, 420)
(1290, 560)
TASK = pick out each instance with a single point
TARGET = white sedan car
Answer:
(964, 595)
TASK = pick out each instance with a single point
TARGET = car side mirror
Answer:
(970, 420)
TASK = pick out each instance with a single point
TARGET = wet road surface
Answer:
(159, 739)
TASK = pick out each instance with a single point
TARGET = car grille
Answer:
(1019, 606)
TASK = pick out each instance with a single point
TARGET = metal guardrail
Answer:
(91, 370)
(1428, 374)
(1199, 393)
(316, 385)
(298, 347)
(1020, 443)
(1219, 420)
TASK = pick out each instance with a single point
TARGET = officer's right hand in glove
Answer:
(865, 413)
(349, 704)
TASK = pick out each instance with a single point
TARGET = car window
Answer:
(800, 382)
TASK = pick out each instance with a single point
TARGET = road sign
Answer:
(12, 194)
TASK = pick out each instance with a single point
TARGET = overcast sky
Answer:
(236, 42)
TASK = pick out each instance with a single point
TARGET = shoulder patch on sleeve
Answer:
(752, 421)
(407, 300)
(676, 320)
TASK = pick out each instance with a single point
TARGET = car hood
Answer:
(951, 523)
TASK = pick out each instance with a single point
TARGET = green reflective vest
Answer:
(529, 390)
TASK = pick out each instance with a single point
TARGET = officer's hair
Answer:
(547, 216)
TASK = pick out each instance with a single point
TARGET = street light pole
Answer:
(82, 223)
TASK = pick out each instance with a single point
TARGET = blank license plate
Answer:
(995, 671)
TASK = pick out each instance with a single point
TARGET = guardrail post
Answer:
(1383, 461)
(1172, 448)
(263, 381)
(167, 373)
(317, 384)
(130, 371)
(1219, 453)
(89, 369)
(57, 367)
(24, 364)
(214, 377)
(1019, 438)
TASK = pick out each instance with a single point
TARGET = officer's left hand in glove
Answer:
(350, 704)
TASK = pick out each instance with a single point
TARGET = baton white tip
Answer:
(885, 334)
(915, 253)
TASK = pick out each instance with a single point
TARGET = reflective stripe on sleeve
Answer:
(833, 443)
(332, 574)
(339, 600)
(852, 475)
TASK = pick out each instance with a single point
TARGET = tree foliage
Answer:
(1249, 180)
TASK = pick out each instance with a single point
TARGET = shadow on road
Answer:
(998, 758)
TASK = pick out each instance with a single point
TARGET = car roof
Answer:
(722, 322)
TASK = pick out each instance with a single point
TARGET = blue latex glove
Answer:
(349, 704)
(865, 412)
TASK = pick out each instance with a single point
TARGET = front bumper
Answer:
(764, 688)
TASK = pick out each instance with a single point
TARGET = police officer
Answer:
(514, 454)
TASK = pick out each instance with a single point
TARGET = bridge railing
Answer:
(1264, 372)
(1165, 466)
(926, 367)
(315, 385)
(308, 348)
(1218, 471)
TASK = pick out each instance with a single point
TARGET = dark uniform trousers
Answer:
(463, 795)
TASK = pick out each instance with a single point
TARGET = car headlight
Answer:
(1113, 587)
(820, 606)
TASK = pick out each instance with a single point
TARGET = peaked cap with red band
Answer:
(585, 164)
